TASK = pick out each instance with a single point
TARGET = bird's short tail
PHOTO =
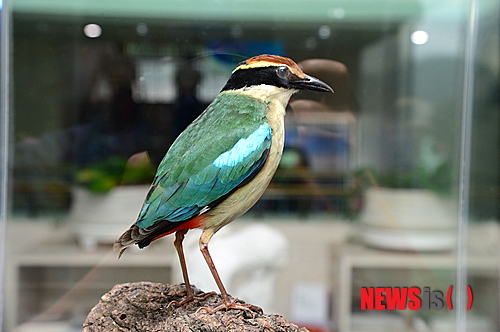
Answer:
(136, 235)
(124, 241)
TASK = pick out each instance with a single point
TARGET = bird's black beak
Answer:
(310, 83)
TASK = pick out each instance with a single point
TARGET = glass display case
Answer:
(389, 185)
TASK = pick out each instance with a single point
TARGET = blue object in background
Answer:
(233, 52)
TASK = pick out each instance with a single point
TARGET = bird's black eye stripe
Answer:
(277, 76)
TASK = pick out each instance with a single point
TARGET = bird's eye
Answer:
(282, 72)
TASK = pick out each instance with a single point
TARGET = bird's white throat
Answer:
(269, 94)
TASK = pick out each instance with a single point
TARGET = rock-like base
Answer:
(144, 307)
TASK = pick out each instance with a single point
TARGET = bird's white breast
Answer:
(245, 197)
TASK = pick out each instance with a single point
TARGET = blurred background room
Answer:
(392, 181)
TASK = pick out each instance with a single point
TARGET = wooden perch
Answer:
(144, 307)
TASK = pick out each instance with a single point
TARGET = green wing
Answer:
(219, 152)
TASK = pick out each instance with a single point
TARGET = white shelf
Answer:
(347, 258)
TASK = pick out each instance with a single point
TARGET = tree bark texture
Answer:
(148, 307)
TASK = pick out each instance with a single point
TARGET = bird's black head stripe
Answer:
(256, 76)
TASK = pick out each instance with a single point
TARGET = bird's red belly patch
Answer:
(196, 222)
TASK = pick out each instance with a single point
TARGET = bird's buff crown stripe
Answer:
(244, 147)
(268, 61)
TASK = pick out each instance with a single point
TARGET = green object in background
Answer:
(105, 175)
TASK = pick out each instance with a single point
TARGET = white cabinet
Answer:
(56, 280)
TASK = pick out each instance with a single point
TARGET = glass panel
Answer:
(482, 246)
(4, 138)
(372, 194)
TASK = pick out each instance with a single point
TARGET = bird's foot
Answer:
(191, 297)
(251, 309)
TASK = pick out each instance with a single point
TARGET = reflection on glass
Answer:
(367, 190)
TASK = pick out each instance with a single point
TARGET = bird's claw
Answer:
(251, 309)
(189, 298)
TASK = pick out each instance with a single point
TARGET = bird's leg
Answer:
(179, 237)
(228, 303)
(204, 239)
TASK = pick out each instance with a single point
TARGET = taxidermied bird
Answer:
(221, 164)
